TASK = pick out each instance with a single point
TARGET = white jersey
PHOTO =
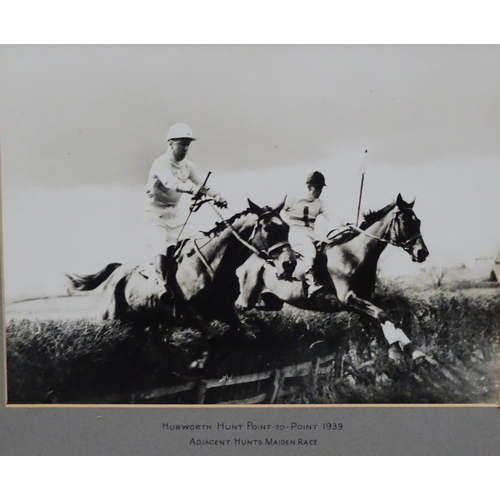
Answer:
(301, 213)
(303, 210)
(166, 175)
(164, 217)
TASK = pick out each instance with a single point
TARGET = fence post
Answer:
(315, 369)
(200, 391)
(339, 361)
(280, 385)
(275, 385)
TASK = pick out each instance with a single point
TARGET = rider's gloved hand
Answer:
(199, 192)
(202, 191)
(220, 201)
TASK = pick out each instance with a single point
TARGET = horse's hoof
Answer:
(395, 353)
(414, 353)
(250, 336)
(418, 355)
(197, 365)
(241, 307)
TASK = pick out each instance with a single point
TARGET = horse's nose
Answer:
(288, 267)
(422, 254)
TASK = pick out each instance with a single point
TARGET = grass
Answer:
(72, 361)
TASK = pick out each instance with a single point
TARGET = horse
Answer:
(205, 284)
(346, 266)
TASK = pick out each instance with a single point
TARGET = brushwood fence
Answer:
(272, 384)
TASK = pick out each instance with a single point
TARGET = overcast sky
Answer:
(98, 115)
(81, 125)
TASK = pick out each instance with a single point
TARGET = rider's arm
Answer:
(171, 182)
(289, 202)
(334, 220)
(326, 212)
(198, 179)
(180, 187)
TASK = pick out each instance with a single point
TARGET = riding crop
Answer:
(191, 208)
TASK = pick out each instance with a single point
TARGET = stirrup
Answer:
(313, 289)
(165, 293)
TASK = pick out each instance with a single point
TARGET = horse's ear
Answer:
(403, 204)
(279, 208)
(253, 207)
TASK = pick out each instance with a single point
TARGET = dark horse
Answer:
(348, 266)
(205, 285)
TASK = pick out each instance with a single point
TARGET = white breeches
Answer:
(302, 241)
(162, 228)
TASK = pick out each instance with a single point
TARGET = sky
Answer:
(81, 125)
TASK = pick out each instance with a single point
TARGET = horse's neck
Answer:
(379, 229)
(225, 243)
(368, 246)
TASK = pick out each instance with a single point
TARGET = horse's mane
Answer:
(373, 216)
(220, 226)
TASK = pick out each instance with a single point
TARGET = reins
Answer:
(389, 241)
(211, 272)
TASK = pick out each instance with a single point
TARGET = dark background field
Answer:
(81, 361)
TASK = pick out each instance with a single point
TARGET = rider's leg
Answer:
(164, 269)
(309, 275)
(312, 282)
(161, 239)
(302, 241)
(161, 269)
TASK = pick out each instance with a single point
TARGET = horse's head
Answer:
(270, 237)
(406, 231)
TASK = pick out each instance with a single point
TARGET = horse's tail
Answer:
(90, 281)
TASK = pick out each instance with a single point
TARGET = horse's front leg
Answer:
(236, 327)
(250, 282)
(157, 341)
(208, 333)
(397, 339)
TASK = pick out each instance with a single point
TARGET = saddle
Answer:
(336, 236)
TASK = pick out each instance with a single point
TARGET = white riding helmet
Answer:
(180, 131)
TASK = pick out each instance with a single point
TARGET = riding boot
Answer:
(312, 284)
(162, 266)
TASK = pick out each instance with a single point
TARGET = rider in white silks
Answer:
(170, 176)
(301, 213)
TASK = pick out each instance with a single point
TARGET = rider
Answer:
(301, 213)
(170, 176)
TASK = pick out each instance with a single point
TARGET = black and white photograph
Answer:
(238, 225)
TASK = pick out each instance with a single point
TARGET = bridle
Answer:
(265, 254)
(394, 231)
